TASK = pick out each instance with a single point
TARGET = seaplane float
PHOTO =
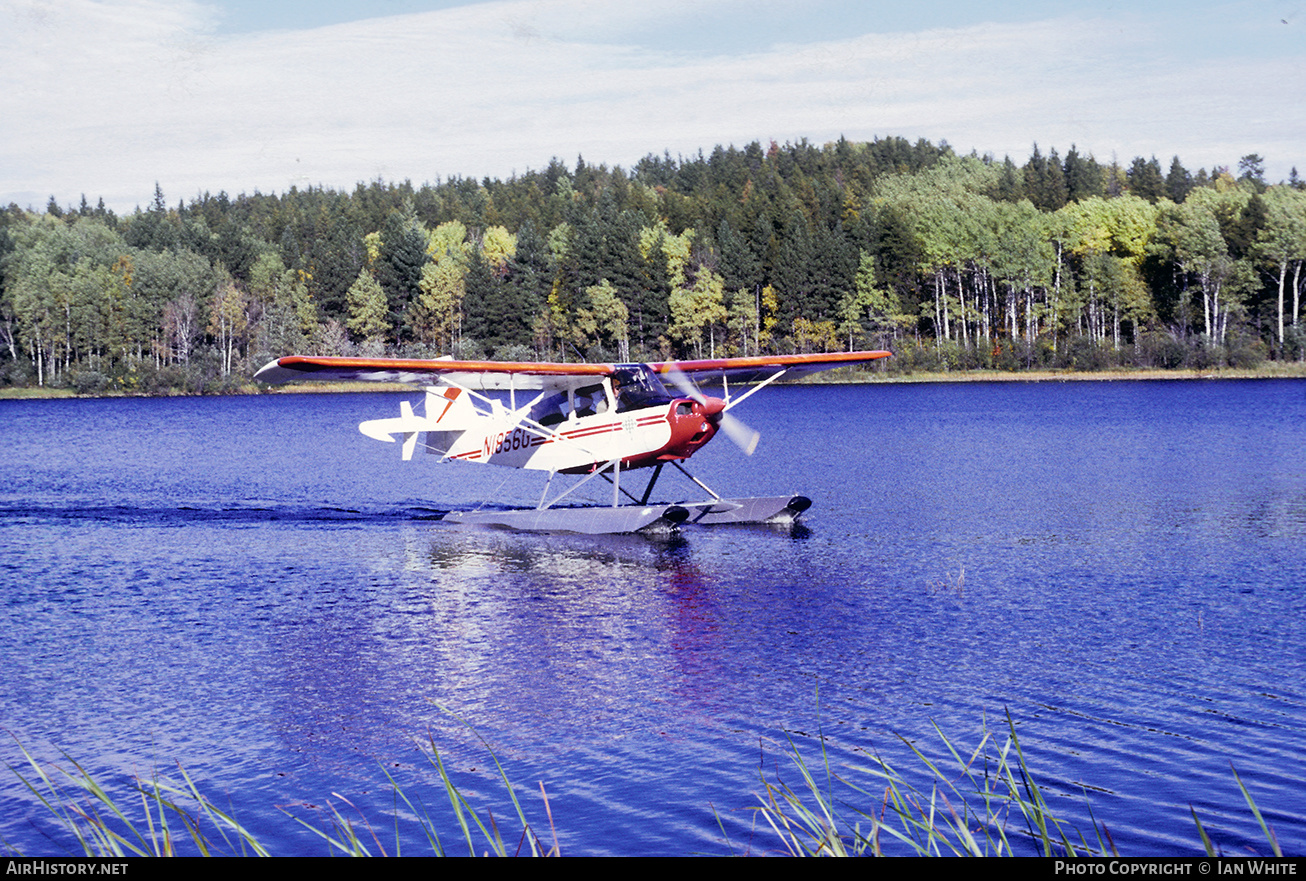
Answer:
(586, 420)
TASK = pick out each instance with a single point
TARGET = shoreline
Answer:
(1290, 370)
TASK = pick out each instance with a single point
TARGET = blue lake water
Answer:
(254, 590)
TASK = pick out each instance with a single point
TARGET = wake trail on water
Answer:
(184, 514)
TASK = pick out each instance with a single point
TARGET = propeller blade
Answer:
(744, 437)
(686, 385)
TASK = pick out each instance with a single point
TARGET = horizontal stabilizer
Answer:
(406, 423)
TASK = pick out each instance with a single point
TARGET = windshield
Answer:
(637, 387)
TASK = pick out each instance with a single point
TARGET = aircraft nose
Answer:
(712, 407)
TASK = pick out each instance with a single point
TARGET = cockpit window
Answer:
(638, 387)
(591, 400)
(635, 387)
(553, 409)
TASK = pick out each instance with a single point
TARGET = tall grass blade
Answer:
(548, 810)
(456, 799)
(1206, 840)
(1256, 812)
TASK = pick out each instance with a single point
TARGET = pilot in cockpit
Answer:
(636, 388)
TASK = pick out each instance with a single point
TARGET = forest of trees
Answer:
(952, 262)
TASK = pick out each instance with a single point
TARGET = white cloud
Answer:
(108, 97)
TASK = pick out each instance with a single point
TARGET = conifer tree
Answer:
(1145, 179)
(368, 313)
(1178, 183)
(403, 254)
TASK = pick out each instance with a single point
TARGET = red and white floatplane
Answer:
(591, 420)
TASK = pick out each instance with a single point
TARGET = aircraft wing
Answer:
(475, 375)
(522, 375)
(763, 367)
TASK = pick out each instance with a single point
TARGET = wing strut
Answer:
(755, 389)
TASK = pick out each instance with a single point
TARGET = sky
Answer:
(106, 98)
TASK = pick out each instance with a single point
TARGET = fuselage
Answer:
(641, 437)
(572, 424)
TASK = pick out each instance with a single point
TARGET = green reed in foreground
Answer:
(170, 819)
(981, 802)
(968, 809)
(343, 836)
(976, 803)
(102, 828)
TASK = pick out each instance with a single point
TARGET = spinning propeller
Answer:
(743, 436)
